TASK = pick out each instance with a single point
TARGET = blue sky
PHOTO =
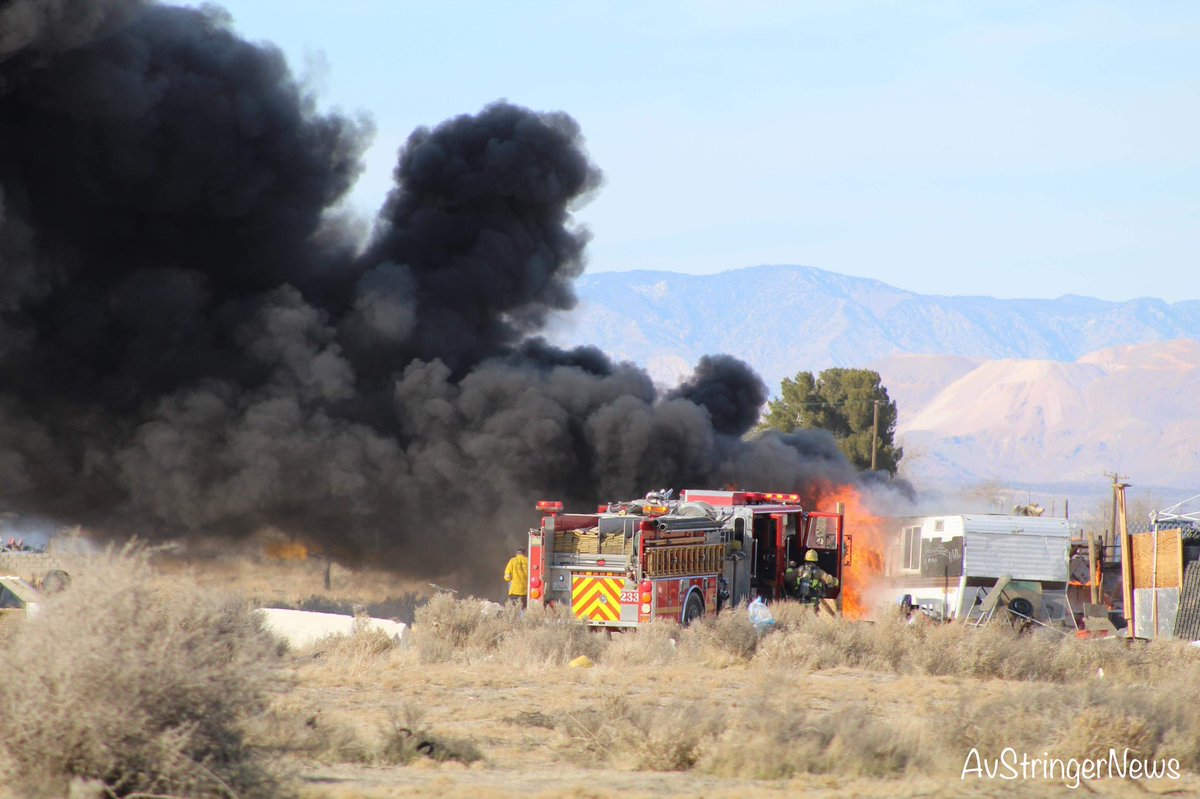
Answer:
(1010, 149)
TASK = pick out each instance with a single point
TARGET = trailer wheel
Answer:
(55, 580)
(1021, 605)
(693, 610)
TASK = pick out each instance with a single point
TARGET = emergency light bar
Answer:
(546, 506)
(786, 499)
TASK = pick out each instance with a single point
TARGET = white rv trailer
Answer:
(946, 564)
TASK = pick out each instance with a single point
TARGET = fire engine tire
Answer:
(693, 610)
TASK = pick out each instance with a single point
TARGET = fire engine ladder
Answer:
(676, 561)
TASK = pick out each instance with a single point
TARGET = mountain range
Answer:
(1046, 393)
(783, 319)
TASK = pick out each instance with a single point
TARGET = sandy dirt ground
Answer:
(485, 703)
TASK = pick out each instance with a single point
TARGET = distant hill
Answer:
(1032, 392)
(783, 319)
(1132, 409)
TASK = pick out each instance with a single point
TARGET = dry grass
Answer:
(356, 659)
(465, 631)
(299, 584)
(143, 687)
(1045, 692)
(484, 698)
(655, 645)
(777, 737)
(302, 731)
(1084, 720)
(643, 737)
(365, 658)
(991, 652)
(407, 738)
(9, 619)
(727, 640)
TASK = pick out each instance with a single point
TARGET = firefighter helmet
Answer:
(791, 564)
(810, 556)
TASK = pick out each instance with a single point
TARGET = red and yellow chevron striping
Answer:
(597, 598)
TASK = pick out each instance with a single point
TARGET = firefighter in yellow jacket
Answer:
(516, 573)
(810, 581)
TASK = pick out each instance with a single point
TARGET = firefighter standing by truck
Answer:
(809, 582)
(516, 573)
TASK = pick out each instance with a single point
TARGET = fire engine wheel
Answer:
(693, 610)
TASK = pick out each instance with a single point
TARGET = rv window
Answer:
(911, 552)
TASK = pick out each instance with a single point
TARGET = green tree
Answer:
(841, 401)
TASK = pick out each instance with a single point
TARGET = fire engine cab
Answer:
(665, 559)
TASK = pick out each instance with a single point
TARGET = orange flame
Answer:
(863, 563)
(286, 550)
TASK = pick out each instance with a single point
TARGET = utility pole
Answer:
(875, 435)
(1110, 535)
(1122, 525)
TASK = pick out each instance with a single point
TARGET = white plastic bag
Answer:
(760, 615)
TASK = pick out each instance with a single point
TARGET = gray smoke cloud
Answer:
(191, 345)
(45, 27)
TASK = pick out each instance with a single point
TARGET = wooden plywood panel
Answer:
(1168, 571)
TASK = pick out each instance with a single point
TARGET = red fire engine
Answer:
(659, 558)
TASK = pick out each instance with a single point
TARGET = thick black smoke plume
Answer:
(191, 345)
